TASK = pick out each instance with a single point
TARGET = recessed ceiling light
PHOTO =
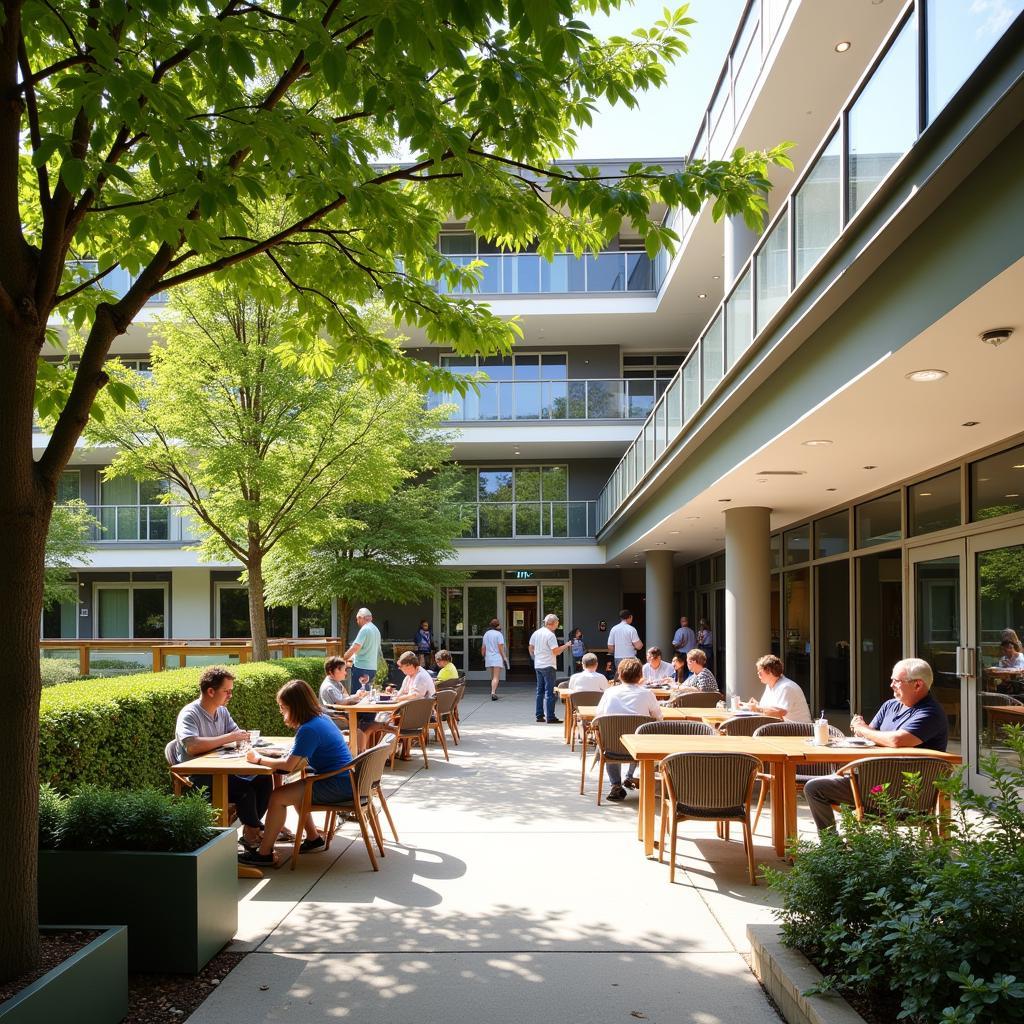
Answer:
(818, 442)
(926, 376)
(830, 488)
(1011, 495)
(702, 295)
(716, 277)
(970, 423)
(924, 494)
(871, 467)
(843, 46)
(692, 519)
(997, 337)
(1018, 465)
(673, 531)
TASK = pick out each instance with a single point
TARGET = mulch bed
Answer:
(171, 998)
(54, 949)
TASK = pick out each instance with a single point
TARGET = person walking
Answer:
(706, 642)
(492, 647)
(545, 649)
(623, 639)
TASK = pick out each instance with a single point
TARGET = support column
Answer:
(739, 244)
(747, 597)
(659, 608)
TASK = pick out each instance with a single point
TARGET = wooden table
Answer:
(353, 711)
(662, 693)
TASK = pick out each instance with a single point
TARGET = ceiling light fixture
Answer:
(1018, 465)
(924, 494)
(702, 295)
(673, 531)
(871, 467)
(818, 442)
(996, 337)
(927, 376)
(725, 499)
(831, 488)
(970, 423)
(843, 46)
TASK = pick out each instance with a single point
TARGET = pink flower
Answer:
(877, 789)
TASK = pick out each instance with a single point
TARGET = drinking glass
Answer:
(254, 735)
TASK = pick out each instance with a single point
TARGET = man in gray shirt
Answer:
(206, 724)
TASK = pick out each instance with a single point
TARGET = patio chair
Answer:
(999, 700)
(807, 771)
(868, 773)
(700, 699)
(365, 771)
(608, 730)
(744, 725)
(456, 717)
(178, 782)
(444, 705)
(707, 787)
(680, 727)
(450, 684)
(579, 699)
(412, 723)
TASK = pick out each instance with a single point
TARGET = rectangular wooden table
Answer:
(662, 693)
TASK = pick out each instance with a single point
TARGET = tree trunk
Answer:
(344, 611)
(257, 608)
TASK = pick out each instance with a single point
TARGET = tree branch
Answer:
(35, 135)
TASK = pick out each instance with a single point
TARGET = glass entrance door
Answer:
(521, 621)
(482, 607)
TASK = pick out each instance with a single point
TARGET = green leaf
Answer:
(72, 174)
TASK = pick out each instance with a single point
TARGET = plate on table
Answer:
(848, 741)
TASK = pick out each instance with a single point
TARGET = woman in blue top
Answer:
(320, 742)
(577, 648)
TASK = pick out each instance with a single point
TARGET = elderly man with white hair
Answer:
(364, 653)
(544, 649)
(913, 718)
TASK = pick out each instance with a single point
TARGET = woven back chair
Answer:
(450, 684)
(444, 706)
(870, 775)
(456, 717)
(744, 725)
(999, 700)
(707, 787)
(178, 782)
(807, 771)
(579, 699)
(608, 731)
(680, 727)
(412, 723)
(700, 699)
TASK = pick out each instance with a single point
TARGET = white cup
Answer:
(735, 702)
(254, 735)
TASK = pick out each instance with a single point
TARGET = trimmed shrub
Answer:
(113, 731)
(51, 817)
(57, 670)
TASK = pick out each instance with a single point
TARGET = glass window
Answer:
(818, 209)
(997, 485)
(738, 321)
(711, 356)
(746, 58)
(234, 612)
(112, 614)
(148, 612)
(554, 366)
(60, 621)
(718, 569)
(555, 485)
(553, 603)
(691, 385)
(773, 272)
(69, 486)
(833, 648)
(796, 650)
(704, 572)
(495, 485)
(883, 118)
(958, 37)
(797, 545)
(457, 243)
(315, 621)
(878, 521)
(673, 408)
(606, 272)
(527, 483)
(880, 614)
(775, 599)
(832, 535)
(934, 504)
(775, 551)
(279, 621)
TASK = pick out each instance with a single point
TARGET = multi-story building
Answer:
(812, 438)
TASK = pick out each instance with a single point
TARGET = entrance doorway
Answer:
(521, 617)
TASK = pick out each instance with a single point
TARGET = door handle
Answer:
(960, 662)
(972, 661)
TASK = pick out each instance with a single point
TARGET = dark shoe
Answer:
(494, 696)
(540, 718)
(631, 784)
(257, 859)
(312, 845)
(553, 721)
(616, 793)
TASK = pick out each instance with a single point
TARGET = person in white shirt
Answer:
(782, 698)
(492, 647)
(332, 689)
(589, 679)
(628, 698)
(657, 670)
(623, 639)
(544, 649)
(417, 684)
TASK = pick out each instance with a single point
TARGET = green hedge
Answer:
(112, 732)
(54, 671)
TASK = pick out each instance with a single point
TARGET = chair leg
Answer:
(361, 818)
(583, 770)
(371, 813)
(330, 823)
(600, 779)
(672, 849)
(387, 811)
(394, 753)
(423, 740)
(664, 825)
(439, 733)
(761, 797)
(748, 842)
(297, 844)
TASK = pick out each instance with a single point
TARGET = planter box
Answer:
(180, 908)
(787, 974)
(91, 986)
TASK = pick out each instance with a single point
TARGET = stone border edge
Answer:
(786, 974)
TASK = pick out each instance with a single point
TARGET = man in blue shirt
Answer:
(684, 641)
(913, 718)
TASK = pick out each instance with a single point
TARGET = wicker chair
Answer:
(579, 699)
(744, 725)
(871, 772)
(444, 708)
(808, 771)
(999, 700)
(700, 699)
(451, 684)
(412, 722)
(677, 727)
(456, 717)
(365, 771)
(607, 731)
(178, 782)
(707, 787)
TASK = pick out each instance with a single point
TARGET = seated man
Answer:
(589, 679)
(333, 689)
(445, 669)
(206, 724)
(656, 670)
(913, 718)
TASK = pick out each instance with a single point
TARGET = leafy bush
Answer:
(57, 670)
(925, 929)
(100, 818)
(113, 731)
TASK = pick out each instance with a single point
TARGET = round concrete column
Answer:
(747, 597)
(739, 243)
(659, 607)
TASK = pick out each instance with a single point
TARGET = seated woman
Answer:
(629, 698)
(445, 669)
(318, 740)
(700, 677)
(417, 684)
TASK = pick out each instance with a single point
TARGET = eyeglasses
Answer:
(902, 682)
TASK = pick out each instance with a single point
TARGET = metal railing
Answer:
(123, 523)
(613, 399)
(904, 88)
(509, 520)
(529, 273)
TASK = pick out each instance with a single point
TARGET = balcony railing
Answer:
(133, 523)
(920, 67)
(528, 273)
(554, 400)
(512, 520)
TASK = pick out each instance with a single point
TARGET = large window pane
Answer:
(880, 613)
(112, 613)
(833, 648)
(958, 37)
(796, 654)
(832, 535)
(279, 621)
(315, 621)
(797, 545)
(818, 209)
(878, 521)
(691, 385)
(711, 356)
(934, 504)
(69, 486)
(496, 520)
(673, 409)
(495, 485)
(738, 321)
(883, 120)
(997, 485)
(149, 613)
(939, 629)
(527, 483)
(234, 612)
(773, 272)
(60, 621)
(555, 485)
(606, 272)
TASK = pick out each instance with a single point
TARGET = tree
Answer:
(143, 137)
(67, 545)
(399, 550)
(260, 451)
